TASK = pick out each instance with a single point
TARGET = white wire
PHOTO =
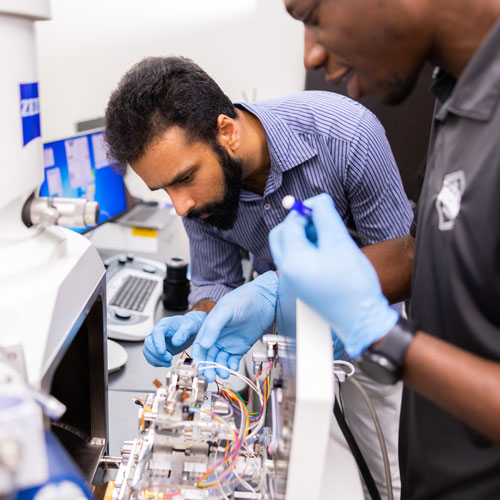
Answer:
(244, 483)
(258, 463)
(256, 388)
(220, 486)
(380, 435)
(259, 472)
(260, 423)
(341, 362)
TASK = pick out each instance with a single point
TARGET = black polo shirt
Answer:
(456, 278)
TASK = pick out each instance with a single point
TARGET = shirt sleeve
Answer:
(378, 203)
(215, 263)
(414, 222)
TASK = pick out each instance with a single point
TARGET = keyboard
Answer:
(134, 287)
(134, 293)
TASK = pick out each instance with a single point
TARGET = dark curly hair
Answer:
(155, 94)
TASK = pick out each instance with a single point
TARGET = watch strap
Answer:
(383, 361)
(395, 344)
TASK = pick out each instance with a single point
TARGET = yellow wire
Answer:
(243, 434)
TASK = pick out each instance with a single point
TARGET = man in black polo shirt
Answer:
(449, 356)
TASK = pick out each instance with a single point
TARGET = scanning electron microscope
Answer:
(191, 443)
(52, 289)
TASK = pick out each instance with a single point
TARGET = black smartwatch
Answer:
(383, 361)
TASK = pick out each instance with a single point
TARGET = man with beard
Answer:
(450, 358)
(226, 169)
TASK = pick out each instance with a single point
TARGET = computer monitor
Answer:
(78, 167)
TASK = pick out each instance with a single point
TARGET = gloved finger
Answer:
(156, 362)
(291, 241)
(311, 233)
(198, 353)
(329, 225)
(234, 362)
(209, 373)
(218, 318)
(222, 358)
(153, 357)
(161, 329)
(275, 244)
(150, 353)
(186, 329)
(149, 346)
(277, 235)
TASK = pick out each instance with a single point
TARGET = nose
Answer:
(182, 204)
(315, 55)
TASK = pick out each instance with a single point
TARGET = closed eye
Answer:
(186, 180)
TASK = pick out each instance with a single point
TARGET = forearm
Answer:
(203, 305)
(460, 382)
(393, 262)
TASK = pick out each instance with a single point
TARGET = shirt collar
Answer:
(475, 94)
(286, 148)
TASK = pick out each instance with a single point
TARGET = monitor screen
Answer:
(78, 167)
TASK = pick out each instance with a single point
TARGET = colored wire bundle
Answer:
(232, 454)
(253, 416)
(250, 424)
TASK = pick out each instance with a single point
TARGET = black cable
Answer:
(356, 452)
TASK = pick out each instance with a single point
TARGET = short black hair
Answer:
(156, 94)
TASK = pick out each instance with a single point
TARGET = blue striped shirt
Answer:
(318, 142)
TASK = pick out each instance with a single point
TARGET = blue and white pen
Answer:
(291, 203)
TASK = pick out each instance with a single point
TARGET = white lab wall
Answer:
(248, 46)
(252, 48)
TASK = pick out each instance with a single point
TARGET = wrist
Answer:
(371, 328)
(204, 305)
(383, 360)
(197, 315)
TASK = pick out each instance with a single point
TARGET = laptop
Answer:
(78, 167)
(151, 215)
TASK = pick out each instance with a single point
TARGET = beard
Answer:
(223, 214)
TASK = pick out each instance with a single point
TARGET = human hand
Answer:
(170, 336)
(235, 323)
(332, 276)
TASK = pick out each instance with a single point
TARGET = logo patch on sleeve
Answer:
(30, 111)
(449, 199)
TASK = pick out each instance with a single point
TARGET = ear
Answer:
(228, 133)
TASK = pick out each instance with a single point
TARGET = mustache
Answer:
(206, 209)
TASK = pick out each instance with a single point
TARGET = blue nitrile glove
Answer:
(332, 276)
(235, 323)
(170, 336)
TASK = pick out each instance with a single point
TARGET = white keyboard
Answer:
(134, 287)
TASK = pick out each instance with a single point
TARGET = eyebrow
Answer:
(177, 178)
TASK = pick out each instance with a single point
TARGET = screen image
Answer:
(78, 167)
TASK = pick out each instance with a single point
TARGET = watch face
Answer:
(379, 368)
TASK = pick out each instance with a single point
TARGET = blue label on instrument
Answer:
(30, 111)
